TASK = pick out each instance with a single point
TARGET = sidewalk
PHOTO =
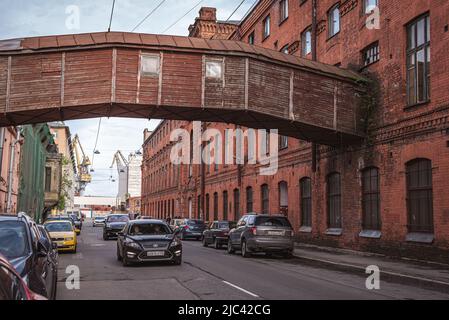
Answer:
(429, 274)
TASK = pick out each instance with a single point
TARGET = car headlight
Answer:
(134, 245)
(175, 243)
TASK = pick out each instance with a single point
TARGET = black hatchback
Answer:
(22, 243)
(148, 240)
(113, 224)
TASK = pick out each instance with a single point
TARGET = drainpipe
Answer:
(11, 171)
(314, 58)
(2, 143)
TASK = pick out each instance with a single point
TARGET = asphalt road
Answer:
(207, 273)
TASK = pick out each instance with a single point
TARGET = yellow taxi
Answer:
(62, 233)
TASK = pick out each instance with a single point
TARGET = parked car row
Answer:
(29, 259)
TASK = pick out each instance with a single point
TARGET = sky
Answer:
(26, 18)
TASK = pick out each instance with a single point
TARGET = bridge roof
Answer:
(165, 42)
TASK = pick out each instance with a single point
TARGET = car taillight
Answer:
(186, 227)
(254, 231)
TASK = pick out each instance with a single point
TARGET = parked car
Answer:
(77, 220)
(52, 249)
(65, 218)
(176, 223)
(262, 233)
(113, 224)
(63, 234)
(98, 221)
(148, 240)
(217, 233)
(23, 245)
(12, 286)
(191, 229)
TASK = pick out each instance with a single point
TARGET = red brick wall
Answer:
(401, 134)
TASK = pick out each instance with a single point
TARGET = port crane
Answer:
(82, 165)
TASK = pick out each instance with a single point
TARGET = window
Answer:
(306, 202)
(334, 201)
(214, 69)
(215, 206)
(334, 21)
(283, 5)
(225, 205)
(207, 207)
(150, 64)
(420, 196)
(283, 198)
(249, 200)
(283, 142)
(285, 49)
(370, 199)
(370, 5)
(418, 61)
(265, 199)
(306, 42)
(251, 38)
(47, 179)
(371, 54)
(236, 204)
(266, 27)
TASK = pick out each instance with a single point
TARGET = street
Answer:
(207, 273)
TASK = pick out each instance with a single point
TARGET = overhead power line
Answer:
(176, 22)
(96, 141)
(149, 14)
(112, 14)
(238, 7)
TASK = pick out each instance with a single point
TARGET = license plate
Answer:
(155, 253)
(60, 244)
(275, 233)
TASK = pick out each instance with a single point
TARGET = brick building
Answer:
(387, 195)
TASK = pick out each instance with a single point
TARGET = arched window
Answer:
(207, 207)
(265, 197)
(419, 196)
(249, 200)
(371, 199)
(225, 205)
(283, 198)
(215, 206)
(305, 186)
(334, 201)
(236, 204)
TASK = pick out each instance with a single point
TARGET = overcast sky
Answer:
(25, 18)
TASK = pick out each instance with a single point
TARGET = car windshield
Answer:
(59, 227)
(226, 225)
(118, 219)
(150, 229)
(195, 222)
(99, 218)
(273, 222)
(13, 239)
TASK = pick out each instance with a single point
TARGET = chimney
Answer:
(208, 14)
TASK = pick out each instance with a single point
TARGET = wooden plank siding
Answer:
(59, 79)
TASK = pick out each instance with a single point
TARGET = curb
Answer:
(426, 283)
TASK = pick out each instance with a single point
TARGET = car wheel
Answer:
(125, 262)
(105, 238)
(74, 250)
(216, 244)
(230, 248)
(205, 242)
(178, 261)
(119, 257)
(244, 250)
(288, 255)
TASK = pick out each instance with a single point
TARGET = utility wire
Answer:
(176, 22)
(148, 15)
(96, 141)
(238, 7)
(112, 14)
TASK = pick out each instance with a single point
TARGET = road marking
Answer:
(241, 289)
(97, 245)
